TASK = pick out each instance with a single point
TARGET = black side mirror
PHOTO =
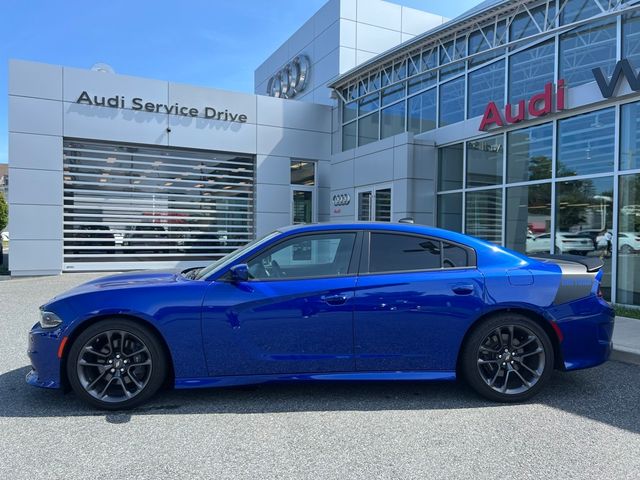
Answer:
(239, 273)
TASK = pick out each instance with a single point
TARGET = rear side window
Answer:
(391, 252)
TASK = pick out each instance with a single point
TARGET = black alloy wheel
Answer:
(116, 364)
(508, 358)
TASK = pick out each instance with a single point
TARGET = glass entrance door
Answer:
(374, 204)
(302, 206)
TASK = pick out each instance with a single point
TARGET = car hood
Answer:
(125, 280)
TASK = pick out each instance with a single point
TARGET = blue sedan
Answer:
(360, 301)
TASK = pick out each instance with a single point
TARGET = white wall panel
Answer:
(35, 187)
(34, 115)
(40, 152)
(35, 222)
(32, 79)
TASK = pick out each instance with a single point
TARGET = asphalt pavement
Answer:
(584, 425)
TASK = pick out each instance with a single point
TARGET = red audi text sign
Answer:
(539, 105)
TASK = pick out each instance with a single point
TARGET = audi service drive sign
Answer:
(291, 80)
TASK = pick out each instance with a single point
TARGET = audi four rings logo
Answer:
(341, 200)
(291, 80)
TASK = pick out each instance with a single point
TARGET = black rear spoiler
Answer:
(593, 264)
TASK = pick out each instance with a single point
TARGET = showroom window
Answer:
(585, 48)
(484, 161)
(628, 289)
(483, 212)
(349, 111)
(451, 102)
(368, 128)
(450, 211)
(125, 204)
(485, 85)
(528, 23)
(630, 136)
(392, 120)
(529, 153)
(484, 39)
(584, 213)
(528, 220)
(631, 38)
(391, 94)
(586, 143)
(530, 70)
(419, 83)
(450, 161)
(576, 10)
(422, 112)
(367, 104)
(349, 136)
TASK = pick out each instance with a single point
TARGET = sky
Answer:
(213, 43)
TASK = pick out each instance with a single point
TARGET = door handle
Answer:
(463, 288)
(334, 299)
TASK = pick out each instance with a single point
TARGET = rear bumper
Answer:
(43, 352)
(587, 328)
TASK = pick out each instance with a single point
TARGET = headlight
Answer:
(49, 319)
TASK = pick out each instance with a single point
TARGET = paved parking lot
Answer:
(585, 425)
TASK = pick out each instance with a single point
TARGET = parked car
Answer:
(572, 243)
(146, 239)
(366, 301)
(99, 238)
(628, 242)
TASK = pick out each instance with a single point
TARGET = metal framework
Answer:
(472, 39)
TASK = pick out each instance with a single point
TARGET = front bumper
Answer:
(43, 352)
(587, 328)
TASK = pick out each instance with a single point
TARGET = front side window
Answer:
(305, 256)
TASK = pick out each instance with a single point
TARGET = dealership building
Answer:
(517, 122)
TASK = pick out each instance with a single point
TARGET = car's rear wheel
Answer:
(116, 364)
(507, 358)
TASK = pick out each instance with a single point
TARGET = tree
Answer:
(4, 212)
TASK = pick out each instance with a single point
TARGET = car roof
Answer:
(384, 226)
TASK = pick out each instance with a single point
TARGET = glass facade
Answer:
(565, 183)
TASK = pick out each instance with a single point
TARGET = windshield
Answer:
(206, 271)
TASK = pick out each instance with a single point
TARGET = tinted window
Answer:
(394, 253)
(305, 256)
(454, 256)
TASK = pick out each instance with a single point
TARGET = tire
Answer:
(484, 363)
(116, 364)
(626, 249)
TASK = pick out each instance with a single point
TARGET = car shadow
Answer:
(606, 394)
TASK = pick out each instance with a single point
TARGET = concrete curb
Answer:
(621, 354)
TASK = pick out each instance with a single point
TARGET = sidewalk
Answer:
(626, 340)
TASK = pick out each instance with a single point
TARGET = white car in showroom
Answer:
(573, 243)
(628, 242)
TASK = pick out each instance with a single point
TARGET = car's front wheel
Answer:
(116, 364)
(507, 358)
